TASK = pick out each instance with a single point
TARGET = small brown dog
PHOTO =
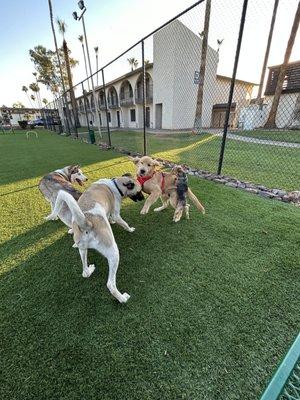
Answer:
(161, 184)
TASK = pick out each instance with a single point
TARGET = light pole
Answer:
(78, 18)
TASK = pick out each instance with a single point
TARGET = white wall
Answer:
(286, 109)
(177, 53)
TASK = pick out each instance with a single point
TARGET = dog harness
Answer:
(143, 179)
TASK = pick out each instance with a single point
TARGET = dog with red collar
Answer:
(159, 184)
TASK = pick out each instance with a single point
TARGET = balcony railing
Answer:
(112, 103)
(126, 101)
(139, 96)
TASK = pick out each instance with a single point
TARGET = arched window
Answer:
(126, 94)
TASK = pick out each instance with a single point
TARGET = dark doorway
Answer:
(118, 119)
(148, 117)
(158, 116)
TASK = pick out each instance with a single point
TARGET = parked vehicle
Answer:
(37, 122)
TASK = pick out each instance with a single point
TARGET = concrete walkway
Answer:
(249, 139)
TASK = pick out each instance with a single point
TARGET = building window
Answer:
(132, 115)
(109, 117)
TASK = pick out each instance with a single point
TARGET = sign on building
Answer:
(197, 77)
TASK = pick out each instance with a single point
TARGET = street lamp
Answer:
(77, 17)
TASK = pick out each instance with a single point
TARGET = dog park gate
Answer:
(216, 122)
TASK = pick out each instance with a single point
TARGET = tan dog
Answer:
(160, 184)
(91, 227)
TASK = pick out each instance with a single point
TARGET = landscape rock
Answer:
(231, 184)
(251, 190)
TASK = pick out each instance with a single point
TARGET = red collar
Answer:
(143, 179)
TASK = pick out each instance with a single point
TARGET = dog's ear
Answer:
(73, 169)
(157, 163)
(135, 160)
(128, 174)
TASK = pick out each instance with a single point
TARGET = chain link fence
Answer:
(206, 89)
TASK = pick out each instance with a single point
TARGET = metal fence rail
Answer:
(285, 384)
(195, 96)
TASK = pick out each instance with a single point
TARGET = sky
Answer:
(114, 25)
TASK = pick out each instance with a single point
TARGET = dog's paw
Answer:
(143, 212)
(125, 297)
(70, 231)
(131, 229)
(157, 209)
(87, 272)
(203, 211)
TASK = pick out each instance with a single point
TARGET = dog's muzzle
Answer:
(137, 197)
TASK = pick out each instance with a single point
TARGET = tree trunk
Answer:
(85, 64)
(263, 71)
(60, 68)
(70, 83)
(97, 69)
(199, 105)
(271, 122)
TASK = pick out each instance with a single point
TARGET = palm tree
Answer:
(38, 95)
(133, 62)
(204, 35)
(62, 27)
(80, 38)
(59, 63)
(97, 67)
(25, 90)
(18, 104)
(219, 42)
(34, 87)
(33, 99)
(271, 122)
(264, 67)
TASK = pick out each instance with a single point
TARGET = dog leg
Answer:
(112, 255)
(187, 211)
(164, 205)
(87, 270)
(150, 200)
(120, 221)
(178, 213)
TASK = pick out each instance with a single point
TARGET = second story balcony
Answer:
(112, 98)
(126, 95)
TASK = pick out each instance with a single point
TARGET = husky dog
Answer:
(91, 227)
(62, 179)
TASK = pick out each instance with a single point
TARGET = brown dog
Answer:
(160, 184)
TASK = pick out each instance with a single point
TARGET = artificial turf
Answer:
(214, 301)
(272, 166)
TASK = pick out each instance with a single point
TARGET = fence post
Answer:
(106, 109)
(144, 98)
(85, 109)
(236, 61)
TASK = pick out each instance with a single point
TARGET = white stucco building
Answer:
(288, 112)
(171, 91)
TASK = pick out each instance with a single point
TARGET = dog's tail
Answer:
(195, 201)
(77, 214)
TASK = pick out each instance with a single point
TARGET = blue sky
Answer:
(114, 25)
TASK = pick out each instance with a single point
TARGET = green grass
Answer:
(214, 301)
(277, 136)
(275, 167)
